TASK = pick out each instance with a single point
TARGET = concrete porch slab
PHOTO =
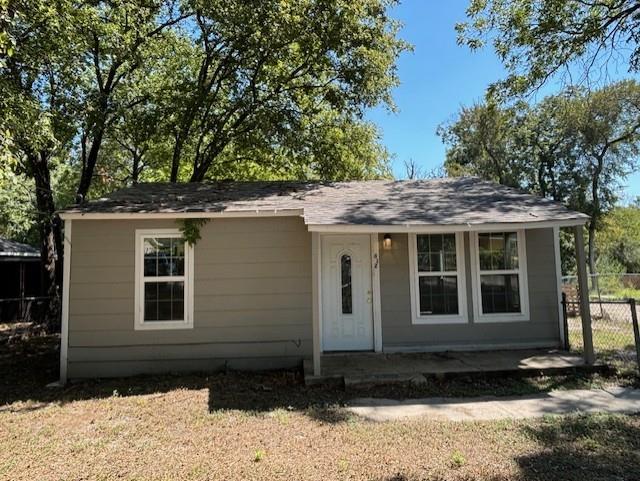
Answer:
(380, 368)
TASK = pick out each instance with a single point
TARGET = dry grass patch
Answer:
(271, 427)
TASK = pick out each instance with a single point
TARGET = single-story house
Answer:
(20, 281)
(287, 271)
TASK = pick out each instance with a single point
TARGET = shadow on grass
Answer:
(28, 365)
(584, 447)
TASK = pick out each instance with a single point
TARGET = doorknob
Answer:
(369, 297)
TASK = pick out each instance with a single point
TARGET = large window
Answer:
(437, 281)
(500, 286)
(164, 271)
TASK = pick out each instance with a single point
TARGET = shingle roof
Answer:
(461, 200)
(9, 248)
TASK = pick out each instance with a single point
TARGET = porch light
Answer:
(386, 243)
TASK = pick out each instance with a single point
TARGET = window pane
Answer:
(151, 291)
(345, 273)
(177, 247)
(498, 250)
(438, 295)
(163, 257)
(500, 293)
(436, 252)
(150, 266)
(164, 310)
(164, 301)
(177, 266)
(151, 310)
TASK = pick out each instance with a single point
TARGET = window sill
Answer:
(163, 325)
(434, 320)
(496, 318)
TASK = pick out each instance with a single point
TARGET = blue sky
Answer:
(436, 79)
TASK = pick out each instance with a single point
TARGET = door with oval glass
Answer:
(347, 303)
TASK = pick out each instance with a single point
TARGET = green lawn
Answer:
(269, 426)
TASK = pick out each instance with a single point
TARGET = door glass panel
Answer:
(345, 276)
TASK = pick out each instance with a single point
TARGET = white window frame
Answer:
(139, 322)
(478, 314)
(416, 318)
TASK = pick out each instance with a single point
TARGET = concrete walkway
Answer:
(611, 400)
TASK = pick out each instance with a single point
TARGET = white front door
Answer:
(347, 314)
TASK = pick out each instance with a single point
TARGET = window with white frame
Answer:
(164, 278)
(500, 284)
(437, 280)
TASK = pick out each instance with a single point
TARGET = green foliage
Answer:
(17, 212)
(576, 147)
(259, 455)
(190, 229)
(457, 459)
(536, 40)
(619, 240)
(99, 95)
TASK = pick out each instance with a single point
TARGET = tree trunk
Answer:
(49, 226)
(89, 166)
(136, 169)
(175, 160)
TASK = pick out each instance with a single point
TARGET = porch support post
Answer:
(66, 278)
(583, 285)
(316, 299)
(558, 262)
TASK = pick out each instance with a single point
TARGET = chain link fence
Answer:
(22, 309)
(614, 320)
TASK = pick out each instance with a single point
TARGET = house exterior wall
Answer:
(252, 299)
(542, 330)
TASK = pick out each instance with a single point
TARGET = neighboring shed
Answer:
(20, 280)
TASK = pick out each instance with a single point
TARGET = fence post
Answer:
(565, 322)
(636, 331)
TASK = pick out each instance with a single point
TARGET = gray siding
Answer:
(542, 329)
(252, 299)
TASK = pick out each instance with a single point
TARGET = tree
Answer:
(536, 40)
(576, 147)
(103, 93)
(262, 71)
(608, 123)
(619, 238)
(483, 141)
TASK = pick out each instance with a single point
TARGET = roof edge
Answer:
(80, 215)
(426, 228)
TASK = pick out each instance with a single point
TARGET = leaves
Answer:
(576, 147)
(537, 40)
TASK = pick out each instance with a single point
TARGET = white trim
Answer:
(183, 215)
(22, 255)
(375, 287)
(66, 279)
(316, 295)
(436, 228)
(139, 323)
(558, 262)
(462, 316)
(523, 283)
(469, 347)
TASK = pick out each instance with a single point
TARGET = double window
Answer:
(437, 280)
(500, 281)
(164, 280)
(499, 278)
